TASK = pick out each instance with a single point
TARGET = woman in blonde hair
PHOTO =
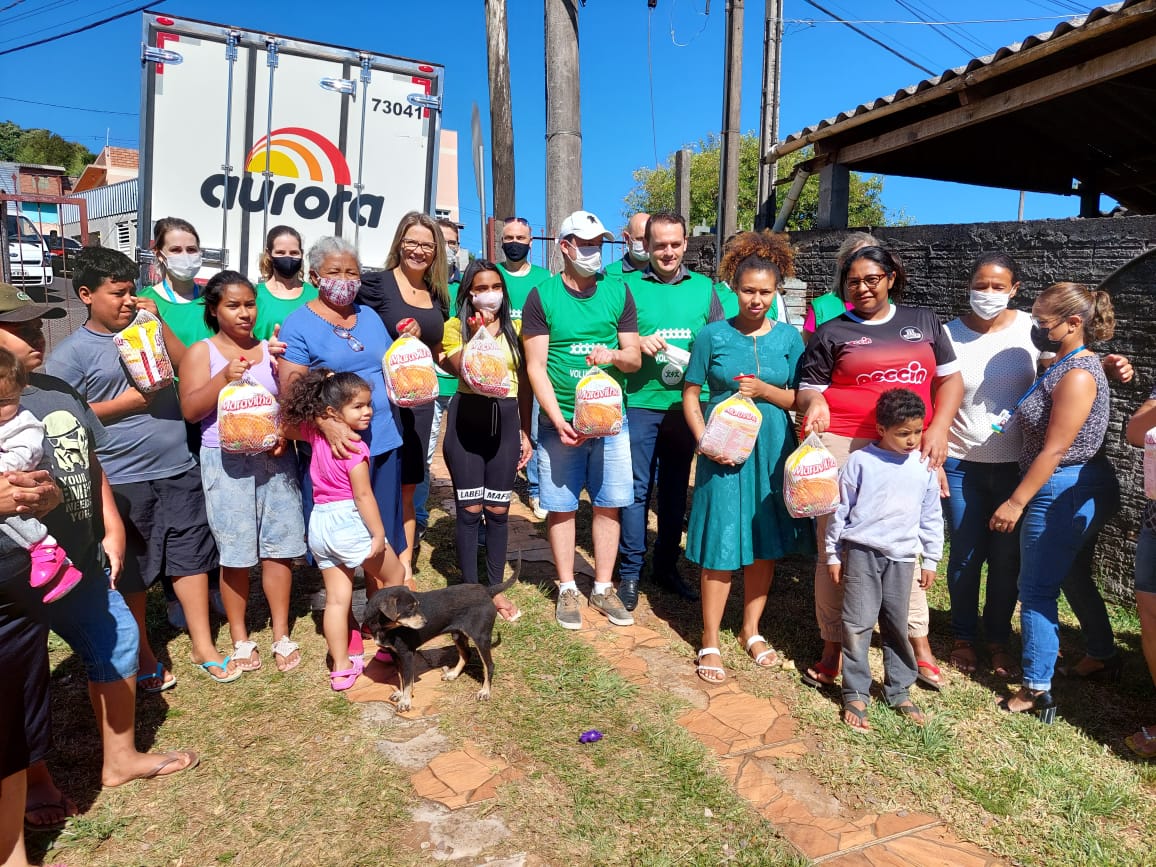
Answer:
(410, 296)
(1067, 491)
(282, 289)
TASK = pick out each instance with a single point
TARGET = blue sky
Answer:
(826, 69)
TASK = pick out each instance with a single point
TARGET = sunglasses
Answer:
(347, 335)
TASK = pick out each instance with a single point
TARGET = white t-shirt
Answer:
(998, 367)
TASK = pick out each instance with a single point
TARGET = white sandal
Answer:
(770, 651)
(702, 670)
(285, 648)
(243, 652)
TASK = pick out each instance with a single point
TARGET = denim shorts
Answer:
(337, 535)
(1146, 561)
(96, 623)
(253, 504)
(600, 465)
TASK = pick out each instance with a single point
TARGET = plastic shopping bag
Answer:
(247, 417)
(410, 378)
(597, 404)
(811, 480)
(732, 429)
(484, 365)
(142, 348)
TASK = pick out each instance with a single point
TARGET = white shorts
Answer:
(338, 536)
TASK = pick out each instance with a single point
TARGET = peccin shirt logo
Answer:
(298, 154)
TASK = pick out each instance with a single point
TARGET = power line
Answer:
(865, 35)
(86, 27)
(937, 28)
(980, 47)
(894, 41)
(56, 24)
(71, 107)
(32, 13)
(650, 76)
(849, 21)
(11, 5)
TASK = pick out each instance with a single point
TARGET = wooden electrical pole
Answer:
(501, 110)
(563, 117)
(731, 127)
(769, 135)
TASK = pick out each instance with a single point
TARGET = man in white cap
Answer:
(576, 319)
(636, 255)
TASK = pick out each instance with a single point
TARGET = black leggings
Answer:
(481, 448)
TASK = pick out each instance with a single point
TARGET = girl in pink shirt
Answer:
(345, 527)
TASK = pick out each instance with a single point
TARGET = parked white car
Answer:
(28, 260)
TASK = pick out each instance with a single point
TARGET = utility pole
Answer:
(731, 132)
(563, 118)
(769, 134)
(501, 110)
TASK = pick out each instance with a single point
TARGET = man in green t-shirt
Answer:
(673, 305)
(570, 322)
(521, 276)
(635, 257)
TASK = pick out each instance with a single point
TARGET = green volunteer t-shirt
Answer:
(186, 319)
(675, 312)
(518, 286)
(272, 310)
(447, 382)
(577, 326)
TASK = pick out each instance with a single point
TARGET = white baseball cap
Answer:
(583, 225)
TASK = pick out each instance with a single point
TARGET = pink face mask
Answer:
(338, 292)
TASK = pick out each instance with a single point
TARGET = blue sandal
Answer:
(159, 674)
(207, 668)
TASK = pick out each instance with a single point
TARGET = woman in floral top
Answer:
(1143, 742)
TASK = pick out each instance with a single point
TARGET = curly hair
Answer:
(762, 251)
(897, 405)
(320, 388)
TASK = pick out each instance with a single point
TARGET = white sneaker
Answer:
(536, 507)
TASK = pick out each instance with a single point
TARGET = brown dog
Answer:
(402, 621)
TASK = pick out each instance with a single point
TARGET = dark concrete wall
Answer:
(937, 259)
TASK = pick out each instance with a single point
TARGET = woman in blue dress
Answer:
(737, 517)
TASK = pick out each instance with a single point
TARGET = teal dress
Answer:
(737, 515)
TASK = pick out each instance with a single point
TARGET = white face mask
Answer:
(587, 261)
(490, 301)
(183, 266)
(989, 305)
(638, 251)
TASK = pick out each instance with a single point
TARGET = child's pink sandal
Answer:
(339, 681)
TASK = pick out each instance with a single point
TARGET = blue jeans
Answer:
(661, 450)
(1060, 527)
(977, 490)
(532, 465)
(1146, 561)
(421, 492)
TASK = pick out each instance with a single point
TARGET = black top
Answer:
(380, 292)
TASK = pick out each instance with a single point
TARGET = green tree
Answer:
(654, 189)
(42, 147)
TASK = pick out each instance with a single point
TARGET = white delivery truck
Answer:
(243, 130)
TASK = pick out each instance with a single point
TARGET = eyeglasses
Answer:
(347, 335)
(414, 246)
(870, 281)
(521, 220)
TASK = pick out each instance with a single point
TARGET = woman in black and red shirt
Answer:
(852, 359)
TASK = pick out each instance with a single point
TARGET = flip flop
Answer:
(284, 648)
(910, 710)
(64, 805)
(929, 674)
(171, 758)
(159, 674)
(814, 676)
(860, 714)
(207, 667)
(243, 652)
(1142, 743)
(356, 643)
(776, 660)
(963, 657)
(702, 670)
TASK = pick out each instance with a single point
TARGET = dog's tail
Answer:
(511, 581)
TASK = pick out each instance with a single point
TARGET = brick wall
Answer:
(1090, 251)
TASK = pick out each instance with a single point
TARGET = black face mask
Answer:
(516, 251)
(1042, 341)
(286, 266)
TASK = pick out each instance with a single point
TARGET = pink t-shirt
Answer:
(331, 476)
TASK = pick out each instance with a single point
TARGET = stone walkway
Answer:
(746, 733)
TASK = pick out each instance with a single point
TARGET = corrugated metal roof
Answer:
(798, 139)
(119, 198)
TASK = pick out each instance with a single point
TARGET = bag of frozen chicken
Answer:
(410, 378)
(597, 405)
(142, 349)
(732, 429)
(811, 480)
(247, 417)
(484, 365)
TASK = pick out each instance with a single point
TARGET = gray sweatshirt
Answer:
(890, 502)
